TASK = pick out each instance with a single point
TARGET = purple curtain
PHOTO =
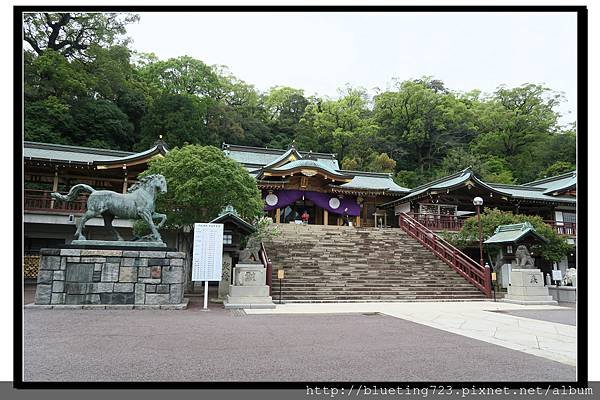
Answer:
(287, 197)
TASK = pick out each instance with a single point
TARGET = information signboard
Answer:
(557, 275)
(207, 263)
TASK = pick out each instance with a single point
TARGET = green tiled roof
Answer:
(303, 163)
(513, 233)
(78, 154)
(373, 181)
(259, 157)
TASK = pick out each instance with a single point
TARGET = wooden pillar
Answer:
(325, 217)
(278, 215)
(358, 220)
(54, 186)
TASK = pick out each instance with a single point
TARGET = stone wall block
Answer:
(50, 262)
(102, 287)
(128, 262)
(157, 298)
(97, 267)
(152, 254)
(144, 272)
(101, 260)
(150, 288)
(102, 253)
(59, 275)
(176, 293)
(58, 286)
(153, 281)
(50, 252)
(73, 259)
(80, 272)
(114, 260)
(128, 274)
(155, 271)
(110, 272)
(70, 252)
(140, 293)
(172, 275)
(43, 294)
(140, 262)
(132, 254)
(78, 287)
(123, 287)
(162, 288)
(175, 254)
(57, 298)
(45, 276)
(176, 262)
(92, 299)
(158, 261)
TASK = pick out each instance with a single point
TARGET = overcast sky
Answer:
(321, 52)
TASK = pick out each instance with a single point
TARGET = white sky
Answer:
(321, 52)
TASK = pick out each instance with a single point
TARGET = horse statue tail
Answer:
(72, 195)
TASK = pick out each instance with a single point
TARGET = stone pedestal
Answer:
(249, 289)
(225, 282)
(527, 287)
(115, 277)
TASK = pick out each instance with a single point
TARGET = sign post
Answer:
(208, 255)
(280, 275)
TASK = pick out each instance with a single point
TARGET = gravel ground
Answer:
(560, 316)
(221, 345)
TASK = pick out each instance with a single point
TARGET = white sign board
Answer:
(556, 275)
(207, 263)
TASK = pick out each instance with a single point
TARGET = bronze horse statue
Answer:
(138, 202)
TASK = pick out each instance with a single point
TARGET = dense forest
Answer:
(85, 86)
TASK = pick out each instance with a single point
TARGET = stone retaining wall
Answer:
(78, 276)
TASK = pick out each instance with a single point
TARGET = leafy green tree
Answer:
(47, 121)
(558, 168)
(489, 168)
(419, 122)
(100, 123)
(201, 180)
(284, 108)
(71, 34)
(382, 163)
(554, 250)
(181, 75)
(180, 119)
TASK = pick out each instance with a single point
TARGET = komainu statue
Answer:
(250, 253)
(524, 259)
(137, 203)
(570, 277)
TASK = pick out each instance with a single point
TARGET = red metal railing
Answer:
(40, 200)
(476, 274)
(564, 228)
(267, 264)
(440, 222)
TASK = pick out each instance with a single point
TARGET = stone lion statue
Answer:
(250, 253)
(524, 259)
(570, 277)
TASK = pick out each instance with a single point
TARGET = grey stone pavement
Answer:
(223, 345)
(567, 317)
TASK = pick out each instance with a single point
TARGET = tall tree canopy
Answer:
(85, 86)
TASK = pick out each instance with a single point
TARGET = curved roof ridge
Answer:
(443, 179)
(66, 147)
(569, 174)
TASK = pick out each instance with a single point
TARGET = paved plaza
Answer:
(302, 342)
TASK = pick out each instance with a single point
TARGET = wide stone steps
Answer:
(331, 263)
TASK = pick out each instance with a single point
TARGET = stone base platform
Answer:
(115, 244)
(108, 277)
(527, 288)
(249, 289)
(181, 306)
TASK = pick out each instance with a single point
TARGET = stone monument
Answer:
(141, 273)
(527, 282)
(249, 288)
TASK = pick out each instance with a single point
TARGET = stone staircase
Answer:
(348, 264)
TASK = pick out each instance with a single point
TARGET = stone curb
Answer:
(180, 306)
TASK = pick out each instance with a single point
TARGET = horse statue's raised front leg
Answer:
(147, 217)
(163, 219)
